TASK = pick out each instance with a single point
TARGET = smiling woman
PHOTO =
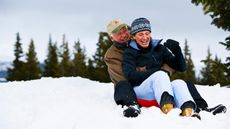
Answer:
(142, 67)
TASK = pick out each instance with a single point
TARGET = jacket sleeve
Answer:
(129, 68)
(114, 64)
(176, 61)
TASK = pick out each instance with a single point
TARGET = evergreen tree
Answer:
(51, 63)
(79, 60)
(213, 72)
(16, 72)
(206, 71)
(219, 11)
(90, 70)
(103, 44)
(227, 65)
(65, 64)
(31, 68)
(189, 74)
(218, 72)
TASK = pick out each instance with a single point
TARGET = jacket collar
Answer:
(154, 43)
(120, 45)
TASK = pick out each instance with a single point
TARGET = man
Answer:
(123, 92)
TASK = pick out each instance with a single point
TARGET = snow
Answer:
(78, 103)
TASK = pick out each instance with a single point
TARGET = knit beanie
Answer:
(140, 24)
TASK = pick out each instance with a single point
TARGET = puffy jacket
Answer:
(113, 59)
(139, 64)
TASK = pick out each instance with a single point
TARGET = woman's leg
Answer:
(154, 86)
(182, 94)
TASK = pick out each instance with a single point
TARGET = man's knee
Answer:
(178, 82)
(124, 93)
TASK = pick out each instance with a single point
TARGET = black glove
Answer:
(173, 46)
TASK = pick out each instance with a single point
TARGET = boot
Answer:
(167, 108)
(187, 112)
(217, 109)
(166, 103)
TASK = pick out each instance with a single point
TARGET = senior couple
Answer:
(140, 66)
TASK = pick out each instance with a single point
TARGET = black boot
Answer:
(217, 109)
(132, 110)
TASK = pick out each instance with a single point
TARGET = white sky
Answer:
(83, 20)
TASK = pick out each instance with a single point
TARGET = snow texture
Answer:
(78, 103)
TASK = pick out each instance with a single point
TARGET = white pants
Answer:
(156, 84)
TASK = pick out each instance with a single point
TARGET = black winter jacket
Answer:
(139, 64)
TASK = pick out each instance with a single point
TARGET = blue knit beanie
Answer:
(140, 24)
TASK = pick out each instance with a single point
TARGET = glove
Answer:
(173, 46)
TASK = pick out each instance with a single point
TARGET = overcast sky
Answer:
(84, 19)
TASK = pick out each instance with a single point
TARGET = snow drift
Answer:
(78, 103)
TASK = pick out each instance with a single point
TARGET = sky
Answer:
(83, 20)
(78, 103)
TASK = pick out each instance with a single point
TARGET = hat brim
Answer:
(119, 28)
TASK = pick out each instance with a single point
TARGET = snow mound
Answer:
(78, 103)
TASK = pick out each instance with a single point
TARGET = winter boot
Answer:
(166, 103)
(187, 112)
(217, 109)
(166, 108)
(188, 109)
(132, 110)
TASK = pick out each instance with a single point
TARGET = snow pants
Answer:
(158, 83)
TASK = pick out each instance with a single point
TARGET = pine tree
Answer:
(219, 10)
(206, 71)
(227, 65)
(218, 72)
(65, 64)
(31, 68)
(190, 72)
(213, 72)
(90, 70)
(103, 44)
(51, 63)
(16, 72)
(79, 60)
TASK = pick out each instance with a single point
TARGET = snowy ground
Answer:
(77, 103)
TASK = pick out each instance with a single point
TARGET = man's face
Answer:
(123, 36)
(143, 38)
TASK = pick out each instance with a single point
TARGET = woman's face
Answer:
(143, 38)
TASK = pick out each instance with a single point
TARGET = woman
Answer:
(142, 64)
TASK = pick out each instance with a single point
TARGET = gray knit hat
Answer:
(140, 24)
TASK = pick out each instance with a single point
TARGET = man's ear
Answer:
(111, 37)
